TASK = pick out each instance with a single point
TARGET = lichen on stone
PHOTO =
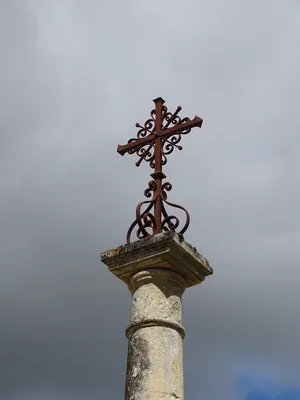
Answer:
(180, 237)
(105, 255)
(196, 252)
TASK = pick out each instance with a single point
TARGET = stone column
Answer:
(157, 270)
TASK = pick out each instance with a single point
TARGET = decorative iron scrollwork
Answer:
(145, 221)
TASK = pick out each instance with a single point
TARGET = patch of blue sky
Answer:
(257, 388)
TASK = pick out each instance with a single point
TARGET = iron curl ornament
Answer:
(155, 140)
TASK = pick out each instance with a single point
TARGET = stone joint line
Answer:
(134, 327)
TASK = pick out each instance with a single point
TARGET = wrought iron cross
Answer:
(155, 140)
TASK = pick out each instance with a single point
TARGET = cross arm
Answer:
(197, 121)
(122, 149)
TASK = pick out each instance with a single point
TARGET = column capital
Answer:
(161, 277)
(166, 250)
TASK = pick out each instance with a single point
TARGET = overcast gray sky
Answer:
(75, 78)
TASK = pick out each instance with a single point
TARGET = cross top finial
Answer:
(155, 140)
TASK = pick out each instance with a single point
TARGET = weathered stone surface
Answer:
(155, 333)
(165, 250)
(154, 366)
(157, 270)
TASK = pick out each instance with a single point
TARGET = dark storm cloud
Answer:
(75, 77)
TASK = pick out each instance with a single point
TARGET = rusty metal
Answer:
(155, 140)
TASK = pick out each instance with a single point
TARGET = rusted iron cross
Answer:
(155, 140)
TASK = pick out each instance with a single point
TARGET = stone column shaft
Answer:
(155, 334)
